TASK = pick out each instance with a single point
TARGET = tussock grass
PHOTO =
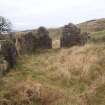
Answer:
(73, 76)
(98, 37)
(30, 92)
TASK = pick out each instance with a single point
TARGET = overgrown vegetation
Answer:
(73, 76)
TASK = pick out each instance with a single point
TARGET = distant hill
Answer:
(92, 25)
(88, 26)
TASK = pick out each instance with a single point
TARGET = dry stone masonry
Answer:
(7, 55)
(85, 38)
(28, 42)
(8, 50)
(71, 36)
(24, 42)
(42, 38)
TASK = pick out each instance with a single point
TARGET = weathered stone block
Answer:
(85, 37)
(3, 66)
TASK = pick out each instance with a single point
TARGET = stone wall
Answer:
(25, 42)
(8, 51)
(85, 37)
(42, 38)
(28, 42)
(7, 55)
(71, 36)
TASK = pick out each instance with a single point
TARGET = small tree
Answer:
(5, 25)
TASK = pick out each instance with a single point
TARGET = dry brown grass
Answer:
(55, 44)
(76, 75)
(30, 92)
(92, 25)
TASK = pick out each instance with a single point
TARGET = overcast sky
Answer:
(27, 14)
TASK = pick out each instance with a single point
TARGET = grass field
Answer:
(67, 76)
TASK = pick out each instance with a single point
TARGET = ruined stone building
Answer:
(28, 42)
(71, 36)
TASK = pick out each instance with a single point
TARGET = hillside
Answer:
(73, 76)
(88, 26)
(92, 25)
